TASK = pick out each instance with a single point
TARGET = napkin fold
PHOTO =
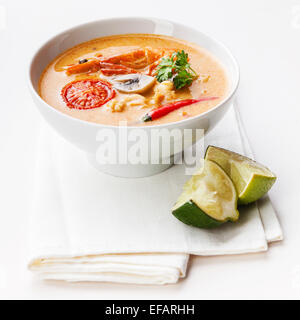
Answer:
(89, 226)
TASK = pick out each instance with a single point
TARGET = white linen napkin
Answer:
(89, 226)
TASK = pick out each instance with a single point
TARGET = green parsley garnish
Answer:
(176, 68)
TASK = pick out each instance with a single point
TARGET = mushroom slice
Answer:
(133, 83)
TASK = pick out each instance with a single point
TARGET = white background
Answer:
(265, 38)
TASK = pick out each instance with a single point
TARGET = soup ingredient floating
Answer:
(167, 108)
(209, 198)
(136, 59)
(133, 83)
(94, 65)
(87, 94)
(176, 68)
(83, 66)
(111, 69)
(129, 62)
(251, 179)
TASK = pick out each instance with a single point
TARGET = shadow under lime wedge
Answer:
(251, 179)
(208, 199)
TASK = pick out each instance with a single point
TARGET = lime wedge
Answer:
(208, 199)
(251, 179)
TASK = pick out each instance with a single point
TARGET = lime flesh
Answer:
(251, 179)
(208, 199)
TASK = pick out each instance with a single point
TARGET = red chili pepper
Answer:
(167, 108)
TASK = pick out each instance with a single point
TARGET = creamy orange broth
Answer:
(54, 78)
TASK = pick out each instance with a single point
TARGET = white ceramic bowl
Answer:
(82, 133)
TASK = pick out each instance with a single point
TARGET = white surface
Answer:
(75, 218)
(264, 36)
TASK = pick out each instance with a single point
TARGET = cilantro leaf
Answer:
(182, 79)
(177, 69)
(164, 73)
(182, 59)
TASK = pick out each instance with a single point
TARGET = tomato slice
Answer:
(87, 93)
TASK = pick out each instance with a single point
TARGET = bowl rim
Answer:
(120, 20)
